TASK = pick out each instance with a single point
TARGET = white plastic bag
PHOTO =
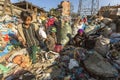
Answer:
(42, 33)
(73, 63)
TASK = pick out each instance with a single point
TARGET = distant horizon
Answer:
(48, 4)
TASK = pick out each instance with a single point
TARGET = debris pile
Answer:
(96, 58)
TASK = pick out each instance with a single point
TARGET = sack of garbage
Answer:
(96, 65)
(90, 29)
(115, 35)
(106, 32)
(101, 45)
(106, 20)
(66, 32)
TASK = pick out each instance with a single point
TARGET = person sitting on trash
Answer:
(79, 38)
(51, 39)
(27, 35)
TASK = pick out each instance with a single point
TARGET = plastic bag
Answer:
(66, 32)
(90, 29)
(73, 63)
(42, 32)
(58, 48)
(101, 45)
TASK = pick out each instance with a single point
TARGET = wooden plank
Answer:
(5, 5)
(16, 10)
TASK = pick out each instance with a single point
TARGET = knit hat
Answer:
(53, 29)
(80, 31)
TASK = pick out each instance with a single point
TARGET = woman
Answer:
(79, 38)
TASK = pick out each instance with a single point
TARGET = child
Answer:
(27, 35)
(51, 39)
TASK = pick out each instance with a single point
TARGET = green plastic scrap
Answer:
(4, 69)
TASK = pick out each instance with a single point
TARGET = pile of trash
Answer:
(98, 60)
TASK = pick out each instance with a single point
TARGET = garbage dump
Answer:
(50, 48)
